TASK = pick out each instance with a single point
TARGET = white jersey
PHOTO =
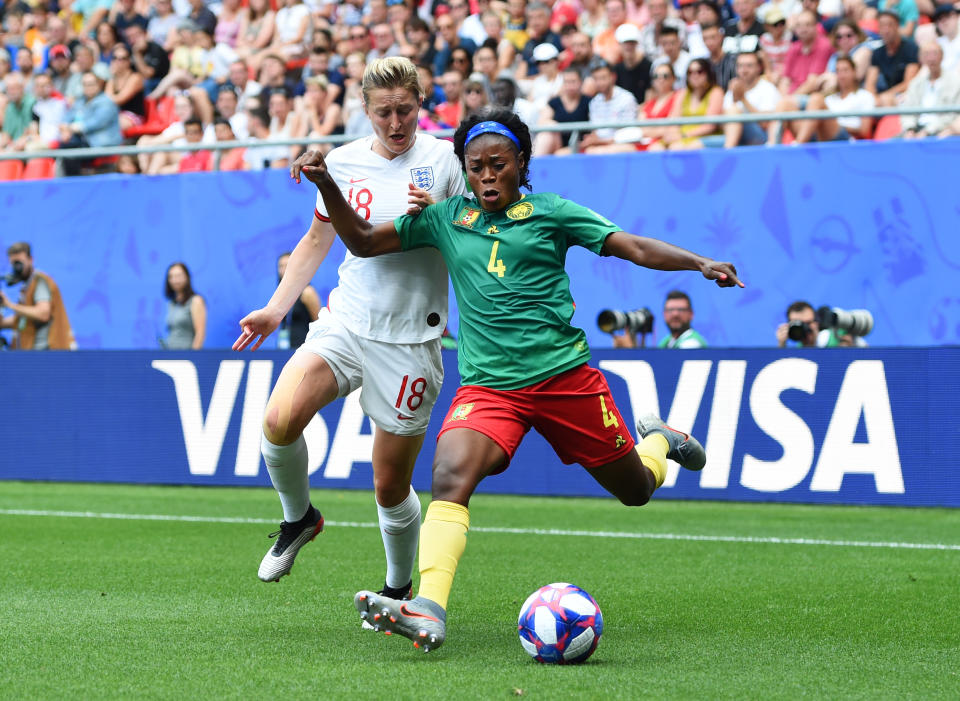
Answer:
(397, 297)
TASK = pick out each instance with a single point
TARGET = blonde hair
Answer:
(391, 73)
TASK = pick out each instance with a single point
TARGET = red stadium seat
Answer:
(39, 169)
(159, 116)
(887, 127)
(11, 170)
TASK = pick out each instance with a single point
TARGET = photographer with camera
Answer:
(824, 328)
(39, 318)
(677, 315)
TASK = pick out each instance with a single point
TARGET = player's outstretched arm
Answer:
(301, 267)
(660, 255)
(363, 239)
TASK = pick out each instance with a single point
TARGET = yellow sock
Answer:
(443, 537)
(653, 454)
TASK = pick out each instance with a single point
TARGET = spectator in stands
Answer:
(94, 121)
(239, 78)
(432, 95)
(546, 83)
(25, 67)
(701, 97)
(18, 114)
(448, 40)
(149, 59)
(906, 11)
(123, 14)
(185, 107)
(450, 112)
(39, 316)
(229, 20)
(88, 14)
(584, 61)
(162, 27)
(284, 122)
(186, 319)
(659, 105)
(318, 64)
(671, 51)
(384, 42)
(593, 18)
(515, 24)
(504, 48)
(49, 112)
(292, 331)
(419, 42)
(273, 76)
(849, 96)
(107, 38)
(611, 104)
(355, 120)
(633, 71)
(748, 93)
(504, 93)
(724, 65)
(128, 165)
(59, 69)
(202, 17)
(539, 32)
(485, 63)
(471, 25)
(191, 161)
(945, 18)
(228, 108)
(894, 63)
(294, 30)
(651, 33)
(475, 96)
(257, 26)
(806, 60)
(571, 105)
(318, 116)
(460, 60)
(55, 35)
(268, 155)
(125, 88)
(84, 61)
(931, 87)
(227, 159)
(848, 40)
(742, 35)
(688, 17)
(775, 43)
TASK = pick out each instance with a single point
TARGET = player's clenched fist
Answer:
(311, 159)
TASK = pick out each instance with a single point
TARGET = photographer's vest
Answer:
(59, 334)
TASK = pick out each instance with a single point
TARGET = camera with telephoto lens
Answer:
(16, 276)
(797, 330)
(856, 322)
(636, 321)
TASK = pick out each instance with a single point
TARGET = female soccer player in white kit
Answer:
(380, 330)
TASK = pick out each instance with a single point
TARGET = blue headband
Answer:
(491, 128)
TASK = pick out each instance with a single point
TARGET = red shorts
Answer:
(574, 411)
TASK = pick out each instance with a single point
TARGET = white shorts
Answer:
(400, 381)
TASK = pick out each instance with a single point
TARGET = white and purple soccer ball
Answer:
(560, 624)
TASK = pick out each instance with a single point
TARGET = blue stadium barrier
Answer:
(849, 225)
(852, 426)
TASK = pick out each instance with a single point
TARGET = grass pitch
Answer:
(700, 600)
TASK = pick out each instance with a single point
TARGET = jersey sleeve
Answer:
(421, 230)
(583, 226)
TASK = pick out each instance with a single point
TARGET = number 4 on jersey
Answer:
(496, 264)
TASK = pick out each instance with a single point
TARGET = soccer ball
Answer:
(560, 624)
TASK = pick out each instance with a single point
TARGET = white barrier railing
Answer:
(576, 127)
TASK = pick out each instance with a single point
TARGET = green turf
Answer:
(105, 608)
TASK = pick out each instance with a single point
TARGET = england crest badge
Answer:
(422, 177)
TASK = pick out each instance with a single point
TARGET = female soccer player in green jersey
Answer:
(522, 364)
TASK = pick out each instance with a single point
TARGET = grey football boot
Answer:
(684, 448)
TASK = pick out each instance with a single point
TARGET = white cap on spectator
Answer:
(545, 52)
(627, 32)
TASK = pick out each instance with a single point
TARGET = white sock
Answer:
(400, 529)
(287, 465)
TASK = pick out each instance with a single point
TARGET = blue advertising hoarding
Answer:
(853, 426)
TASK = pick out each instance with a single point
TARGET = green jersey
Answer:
(513, 293)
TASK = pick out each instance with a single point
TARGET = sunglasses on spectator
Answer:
(360, 35)
(476, 90)
(663, 76)
(779, 23)
(694, 71)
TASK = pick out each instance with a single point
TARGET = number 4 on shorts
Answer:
(609, 418)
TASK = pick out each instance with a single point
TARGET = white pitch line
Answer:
(511, 531)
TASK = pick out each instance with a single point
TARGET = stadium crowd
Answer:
(78, 73)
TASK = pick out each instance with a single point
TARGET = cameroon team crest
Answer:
(461, 412)
(467, 217)
(521, 210)
(422, 177)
